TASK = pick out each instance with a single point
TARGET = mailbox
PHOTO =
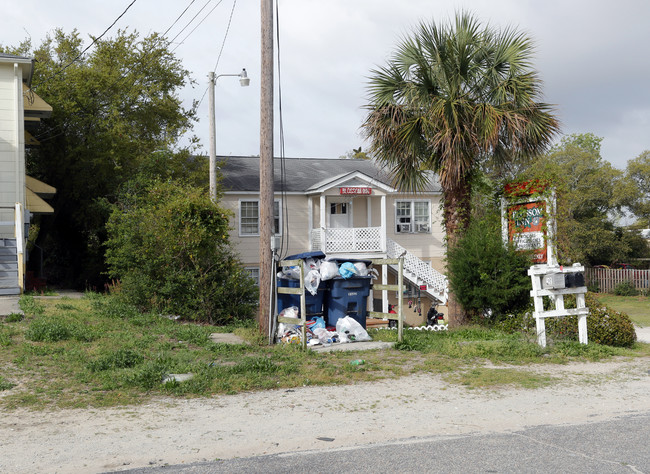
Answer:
(553, 281)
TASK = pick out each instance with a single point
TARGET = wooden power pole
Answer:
(266, 168)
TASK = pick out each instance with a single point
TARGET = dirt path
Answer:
(168, 431)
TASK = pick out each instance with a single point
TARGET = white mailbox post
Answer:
(551, 281)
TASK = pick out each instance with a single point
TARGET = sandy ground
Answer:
(168, 431)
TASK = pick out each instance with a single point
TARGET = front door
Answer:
(339, 214)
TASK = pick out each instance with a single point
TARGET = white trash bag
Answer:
(328, 270)
(312, 280)
(347, 326)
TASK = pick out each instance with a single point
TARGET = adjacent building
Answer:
(347, 209)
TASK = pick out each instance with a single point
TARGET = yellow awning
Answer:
(39, 187)
(30, 140)
(35, 204)
(34, 105)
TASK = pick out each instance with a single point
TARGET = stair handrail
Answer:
(423, 271)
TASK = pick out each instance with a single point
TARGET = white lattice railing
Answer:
(418, 271)
(341, 240)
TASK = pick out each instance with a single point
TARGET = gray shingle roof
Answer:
(242, 173)
(13, 57)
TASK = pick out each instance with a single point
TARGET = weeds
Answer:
(99, 351)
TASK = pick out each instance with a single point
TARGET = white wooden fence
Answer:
(607, 278)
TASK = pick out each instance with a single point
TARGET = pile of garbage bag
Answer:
(317, 267)
(347, 330)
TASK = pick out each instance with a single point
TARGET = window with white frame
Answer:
(249, 217)
(254, 273)
(412, 217)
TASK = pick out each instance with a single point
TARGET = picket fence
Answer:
(606, 279)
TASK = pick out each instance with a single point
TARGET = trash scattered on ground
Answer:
(357, 362)
(177, 378)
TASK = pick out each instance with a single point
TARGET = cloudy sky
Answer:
(592, 56)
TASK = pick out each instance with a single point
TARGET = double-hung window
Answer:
(249, 217)
(413, 217)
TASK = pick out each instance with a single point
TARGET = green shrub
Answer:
(168, 245)
(604, 325)
(53, 329)
(625, 288)
(119, 359)
(488, 278)
(30, 306)
(14, 317)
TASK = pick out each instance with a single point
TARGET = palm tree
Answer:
(450, 98)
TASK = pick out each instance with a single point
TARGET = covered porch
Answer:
(347, 215)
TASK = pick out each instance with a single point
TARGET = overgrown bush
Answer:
(625, 288)
(168, 245)
(486, 276)
(604, 325)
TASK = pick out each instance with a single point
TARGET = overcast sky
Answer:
(592, 56)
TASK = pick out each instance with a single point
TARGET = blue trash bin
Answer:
(313, 303)
(348, 297)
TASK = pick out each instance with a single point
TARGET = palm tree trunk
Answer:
(457, 208)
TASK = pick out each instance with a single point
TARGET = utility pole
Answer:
(266, 168)
(213, 140)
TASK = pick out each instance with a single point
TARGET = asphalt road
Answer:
(621, 445)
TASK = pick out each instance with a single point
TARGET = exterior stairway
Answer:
(419, 272)
(8, 267)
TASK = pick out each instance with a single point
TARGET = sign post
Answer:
(527, 218)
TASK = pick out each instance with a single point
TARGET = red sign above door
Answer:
(355, 190)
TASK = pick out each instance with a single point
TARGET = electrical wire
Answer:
(223, 43)
(194, 29)
(284, 247)
(190, 22)
(145, 60)
(178, 18)
(88, 47)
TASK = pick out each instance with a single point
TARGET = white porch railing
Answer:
(344, 240)
(420, 271)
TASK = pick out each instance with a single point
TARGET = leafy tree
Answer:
(450, 98)
(590, 194)
(638, 172)
(168, 245)
(355, 154)
(115, 112)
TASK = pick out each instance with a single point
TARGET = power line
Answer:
(221, 51)
(194, 29)
(179, 17)
(89, 46)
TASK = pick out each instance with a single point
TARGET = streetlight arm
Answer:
(244, 81)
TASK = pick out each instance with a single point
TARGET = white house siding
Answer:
(426, 246)
(12, 155)
(296, 241)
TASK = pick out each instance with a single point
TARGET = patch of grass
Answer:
(5, 384)
(14, 317)
(491, 378)
(30, 306)
(637, 307)
(99, 351)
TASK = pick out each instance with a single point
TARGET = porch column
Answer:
(322, 226)
(383, 223)
(369, 211)
(310, 219)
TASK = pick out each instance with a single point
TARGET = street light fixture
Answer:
(244, 81)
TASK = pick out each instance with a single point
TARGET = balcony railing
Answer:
(340, 240)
